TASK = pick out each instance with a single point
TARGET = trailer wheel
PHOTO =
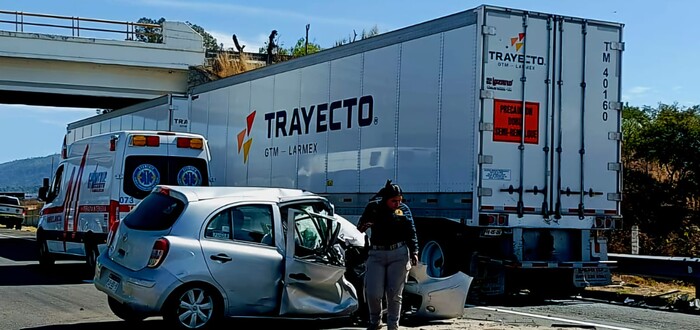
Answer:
(433, 256)
(441, 246)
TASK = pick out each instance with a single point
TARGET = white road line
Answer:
(604, 326)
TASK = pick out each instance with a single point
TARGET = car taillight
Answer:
(158, 253)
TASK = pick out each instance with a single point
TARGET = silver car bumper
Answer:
(130, 287)
(441, 298)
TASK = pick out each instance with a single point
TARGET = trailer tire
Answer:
(440, 252)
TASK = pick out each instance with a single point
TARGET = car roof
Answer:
(198, 193)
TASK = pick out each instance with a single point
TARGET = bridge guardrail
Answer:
(132, 31)
(671, 268)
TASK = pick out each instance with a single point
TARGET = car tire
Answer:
(46, 259)
(124, 312)
(18, 225)
(193, 307)
(91, 254)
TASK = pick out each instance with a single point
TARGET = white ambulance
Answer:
(102, 177)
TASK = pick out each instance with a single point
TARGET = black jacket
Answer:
(389, 227)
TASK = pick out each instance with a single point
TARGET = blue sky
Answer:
(659, 63)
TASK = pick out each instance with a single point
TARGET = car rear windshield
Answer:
(143, 173)
(155, 212)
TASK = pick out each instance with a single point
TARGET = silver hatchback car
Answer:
(195, 255)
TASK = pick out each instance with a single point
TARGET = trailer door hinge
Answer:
(488, 30)
(615, 136)
(485, 159)
(613, 166)
(616, 106)
(486, 94)
(485, 192)
(485, 126)
(615, 197)
(617, 45)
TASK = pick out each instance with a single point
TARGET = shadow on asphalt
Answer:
(27, 271)
(246, 323)
(157, 323)
(18, 249)
(59, 274)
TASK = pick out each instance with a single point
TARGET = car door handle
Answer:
(299, 277)
(221, 257)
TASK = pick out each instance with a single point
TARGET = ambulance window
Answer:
(143, 173)
(56, 184)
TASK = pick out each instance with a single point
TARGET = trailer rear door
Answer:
(565, 73)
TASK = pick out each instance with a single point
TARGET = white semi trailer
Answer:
(502, 126)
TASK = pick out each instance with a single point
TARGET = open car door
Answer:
(314, 281)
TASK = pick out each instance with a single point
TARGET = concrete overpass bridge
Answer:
(65, 61)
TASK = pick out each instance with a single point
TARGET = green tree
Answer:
(149, 34)
(210, 43)
(155, 35)
(300, 48)
(661, 155)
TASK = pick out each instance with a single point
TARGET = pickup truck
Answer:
(12, 213)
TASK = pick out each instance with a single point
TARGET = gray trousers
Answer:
(386, 273)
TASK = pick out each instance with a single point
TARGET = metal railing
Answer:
(672, 268)
(79, 26)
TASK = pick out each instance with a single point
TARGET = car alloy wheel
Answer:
(193, 308)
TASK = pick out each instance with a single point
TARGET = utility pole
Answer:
(306, 43)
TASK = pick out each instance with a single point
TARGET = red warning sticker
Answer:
(508, 121)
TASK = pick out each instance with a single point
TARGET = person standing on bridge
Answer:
(393, 249)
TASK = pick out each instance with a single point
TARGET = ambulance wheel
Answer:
(46, 259)
(91, 254)
(124, 312)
